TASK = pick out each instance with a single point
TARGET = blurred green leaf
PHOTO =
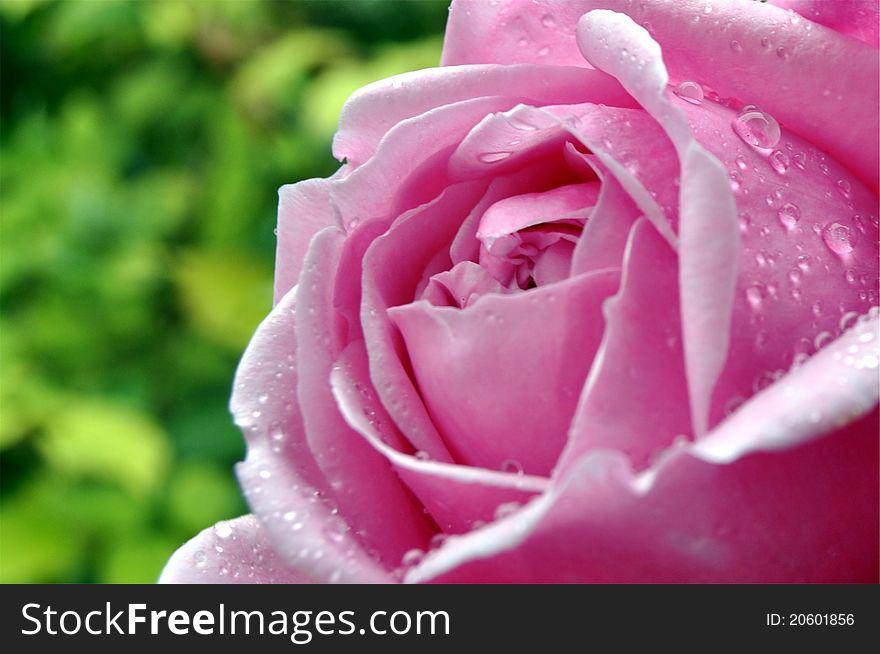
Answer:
(96, 439)
(34, 546)
(137, 559)
(326, 95)
(225, 295)
(200, 494)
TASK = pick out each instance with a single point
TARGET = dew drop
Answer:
(543, 52)
(789, 215)
(290, 516)
(839, 238)
(689, 92)
(736, 46)
(548, 21)
(803, 262)
(493, 157)
(421, 455)
(779, 161)
(412, 557)
(795, 276)
(847, 320)
(755, 295)
(818, 309)
(822, 339)
(757, 128)
(222, 530)
(521, 124)
(507, 509)
(844, 188)
(512, 466)
(200, 558)
(741, 162)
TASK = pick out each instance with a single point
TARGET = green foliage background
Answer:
(141, 144)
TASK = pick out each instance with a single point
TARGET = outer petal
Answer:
(793, 291)
(817, 82)
(707, 214)
(231, 552)
(512, 31)
(369, 496)
(803, 513)
(304, 209)
(371, 112)
(281, 480)
(859, 19)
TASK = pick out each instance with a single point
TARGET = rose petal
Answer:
(604, 238)
(601, 130)
(501, 378)
(512, 214)
(461, 286)
(542, 174)
(512, 31)
(754, 501)
(280, 479)
(372, 111)
(366, 490)
(806, 514)
(835, 387)
(635, 399)
(708, 226)
(411, 244)
(457, 497)
(304, 209)
(859, 19)
(791, 287)
(815, 81)
(231, 552)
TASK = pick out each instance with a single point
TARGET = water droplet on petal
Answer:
(847, 320)
(493, 157)
(412, 558)
(839, 238)
(779, 161)
(543, 52)
(200, 558)
(822, 339)
(818, 308)
(741, 162)
(789, 215)
(521, 124)
(689, 92)
(548, 21)
(757, 128)
(507, 509)
(222, 530)
(512, 466)
(844, 188)
(755, 294)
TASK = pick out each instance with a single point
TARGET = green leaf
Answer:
(136, 560)
(97, 439)
(225, 295)
(200, 495)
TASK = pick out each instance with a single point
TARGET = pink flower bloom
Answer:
(594, 301)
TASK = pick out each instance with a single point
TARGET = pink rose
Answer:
(594, 301)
